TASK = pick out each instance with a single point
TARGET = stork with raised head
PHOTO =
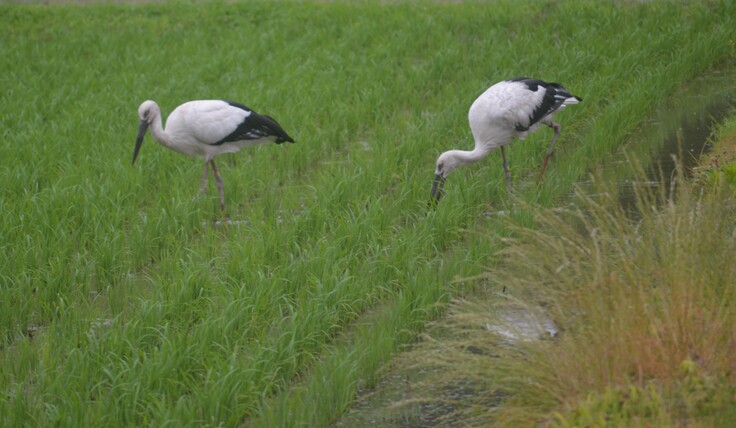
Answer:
(207, 128)
(511, 108)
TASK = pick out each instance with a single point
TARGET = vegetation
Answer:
(643, 311)
(719, 167)
(122, 303)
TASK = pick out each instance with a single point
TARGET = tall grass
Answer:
(644, 314)
(122, 305)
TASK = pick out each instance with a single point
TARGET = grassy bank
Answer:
(647, 313)
(122, 305)
(642, 309)
(719, 166)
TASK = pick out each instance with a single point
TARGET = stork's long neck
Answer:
(158, 132)
(472, 156)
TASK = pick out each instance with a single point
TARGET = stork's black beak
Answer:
(142, 128)
(437, 185)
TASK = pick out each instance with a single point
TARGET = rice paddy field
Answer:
(123, 301)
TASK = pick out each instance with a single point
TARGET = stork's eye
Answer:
(440, 166)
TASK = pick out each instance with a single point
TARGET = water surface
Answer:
(679, 130)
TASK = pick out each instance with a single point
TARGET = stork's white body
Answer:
(207, 128)
(495, 115)
(195, 126)
(508, 109)
(194, 129)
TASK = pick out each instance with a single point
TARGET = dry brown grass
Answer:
(635, 301)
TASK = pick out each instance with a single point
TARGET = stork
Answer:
(206, 128)
(510, 108)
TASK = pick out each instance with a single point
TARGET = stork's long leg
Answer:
(506, 171)
(556, 127)
(220, 188)
(205, 178)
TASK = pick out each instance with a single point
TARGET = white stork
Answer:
(511, 108)
(207, 128)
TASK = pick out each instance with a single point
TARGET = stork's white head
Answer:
(147, 113)
(447, 163)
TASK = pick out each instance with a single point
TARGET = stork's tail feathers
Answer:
(572, 100)
(278, 131)
(282, 140)
(560, 93)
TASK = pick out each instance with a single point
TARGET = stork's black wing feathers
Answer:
(276, 129)
(554, 96)
(256, 126)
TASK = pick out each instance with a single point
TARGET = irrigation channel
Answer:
(680, 127)
(678, 131)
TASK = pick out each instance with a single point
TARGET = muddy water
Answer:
(678, 131)
(681, 126)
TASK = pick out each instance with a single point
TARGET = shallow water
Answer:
(678, 131)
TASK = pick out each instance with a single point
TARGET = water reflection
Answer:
(679, 131)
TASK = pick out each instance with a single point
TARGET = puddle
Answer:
(523, 325)
(397, 402)
(227, 222)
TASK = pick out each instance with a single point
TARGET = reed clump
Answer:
(633, 314)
